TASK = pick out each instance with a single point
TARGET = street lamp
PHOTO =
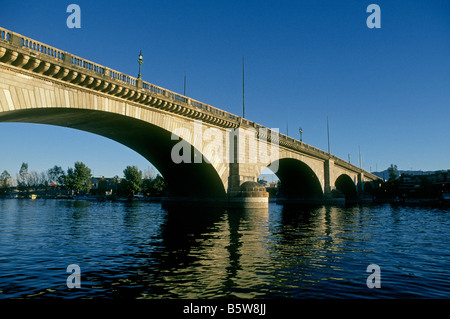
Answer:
(301, 132)
(140, 63)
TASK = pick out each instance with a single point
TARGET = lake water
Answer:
(139, 250)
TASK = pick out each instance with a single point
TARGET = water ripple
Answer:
(140, 250)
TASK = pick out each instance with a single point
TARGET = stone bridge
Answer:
(205, 154)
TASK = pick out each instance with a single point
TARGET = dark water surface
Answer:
(139, 250)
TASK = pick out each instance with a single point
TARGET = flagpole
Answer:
(185, 83)
(359, 152)
(328, 134)
(243, 88)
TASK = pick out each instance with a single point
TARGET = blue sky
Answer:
(384, 90)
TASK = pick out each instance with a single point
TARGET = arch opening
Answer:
(154, 143)
(297, 181)
(345, 185)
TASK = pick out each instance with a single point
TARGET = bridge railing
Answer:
(30, 44)
(153, 88)
(42, 48)
(199, 105)
(88, 65)
(4, 34)
(118, 76)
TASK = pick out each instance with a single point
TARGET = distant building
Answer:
(262, 181)
(272, 184)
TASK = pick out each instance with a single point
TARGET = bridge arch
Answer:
(297, 180)
(345, 184)
(148, 139)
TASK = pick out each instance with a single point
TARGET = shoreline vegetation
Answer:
(427, 202)
(407, 189)
(78, 184)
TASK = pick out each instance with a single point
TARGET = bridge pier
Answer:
(360, 186)
(328, 178)
(248, 195)
(243, 189)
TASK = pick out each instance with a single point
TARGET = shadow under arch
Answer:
(297, 181)
(154, 143)
(345, 184)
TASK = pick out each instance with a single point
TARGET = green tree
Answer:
(154, 186)
(159, 185)
(115, 183)
(147, 186)
(393, 173)
(78, 178)
(5, 180)
(22, 178)
(132, 183)
(56, 175)
(102, 187)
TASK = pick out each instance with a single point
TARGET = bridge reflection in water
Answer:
(239, 253)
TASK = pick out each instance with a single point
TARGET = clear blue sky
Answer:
(384, 90)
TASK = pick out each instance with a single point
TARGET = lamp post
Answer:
(301, 132)
(140, 63)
